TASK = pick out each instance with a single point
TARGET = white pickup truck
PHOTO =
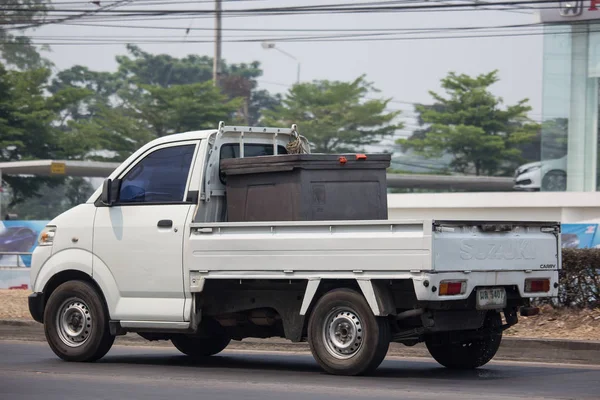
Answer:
(150, 253)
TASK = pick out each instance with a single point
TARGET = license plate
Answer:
(491, 298)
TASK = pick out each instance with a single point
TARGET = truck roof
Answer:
(191, 135)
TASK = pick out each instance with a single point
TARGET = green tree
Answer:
(103, 85)
(471, 125)
(163, 70)
(139, 68)
(53, 198)
(151, 112)
(31, 121)
(424, 127)
(181, 108)
(336, 117)
(17, 50)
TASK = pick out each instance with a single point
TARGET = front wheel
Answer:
(345, 337)
(76, 323)
(452, 352)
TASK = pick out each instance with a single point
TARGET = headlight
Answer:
(47, 236)
(531, 169)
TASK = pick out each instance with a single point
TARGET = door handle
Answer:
(165, 223)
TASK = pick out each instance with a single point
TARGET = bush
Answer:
(580, 278)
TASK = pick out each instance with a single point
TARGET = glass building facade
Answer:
(571, 69)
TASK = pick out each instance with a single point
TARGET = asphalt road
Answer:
(29, 370)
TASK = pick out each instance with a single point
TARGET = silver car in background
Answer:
(550, 175)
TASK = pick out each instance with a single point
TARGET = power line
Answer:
(127, 39)
(162, 16)
(505, 10)
(399, 33)
(144, 2)
(179, 28)
(73, 41)
(329, 8)
(398, 30)
(106, 8)
(340, 7)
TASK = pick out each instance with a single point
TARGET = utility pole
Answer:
(217, 59)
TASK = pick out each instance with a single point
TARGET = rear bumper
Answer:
(36, 306)
(426, 284)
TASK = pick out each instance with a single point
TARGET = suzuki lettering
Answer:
(520, 250)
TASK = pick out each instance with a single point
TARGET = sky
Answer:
(404, 70)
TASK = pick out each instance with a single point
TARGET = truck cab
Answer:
(152, 253)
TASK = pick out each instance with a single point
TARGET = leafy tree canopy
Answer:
(31, 122)
(139, 68)
(335, 117)
(471, 125)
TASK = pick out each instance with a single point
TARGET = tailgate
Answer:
(495, 246)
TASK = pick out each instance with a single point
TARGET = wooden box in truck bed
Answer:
(306, 187)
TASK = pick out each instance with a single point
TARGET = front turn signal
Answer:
(47, 236)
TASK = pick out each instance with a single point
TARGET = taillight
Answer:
(451, 288)
(537, 285)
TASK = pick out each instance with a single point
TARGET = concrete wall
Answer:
(573, 207)
(565, 207)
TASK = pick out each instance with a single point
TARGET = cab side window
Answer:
(160, 177)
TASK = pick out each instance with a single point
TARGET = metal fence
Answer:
(18, 263)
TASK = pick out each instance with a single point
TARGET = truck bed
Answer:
(381, 247)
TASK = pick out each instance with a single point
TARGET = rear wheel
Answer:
(197, 347)
(76, 323)
(345, 337)
(452, 352)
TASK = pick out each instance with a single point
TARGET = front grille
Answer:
(524, 182)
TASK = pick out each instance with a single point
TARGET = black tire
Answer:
(346, 312)
(88, 315)
(198, 347)
(470, 353)
(554, 181)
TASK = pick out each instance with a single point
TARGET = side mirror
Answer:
(106, 196)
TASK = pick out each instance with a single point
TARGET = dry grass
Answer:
(551, 323)
(559, 324)
(13, 304)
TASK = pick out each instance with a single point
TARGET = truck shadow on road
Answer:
(294, 364)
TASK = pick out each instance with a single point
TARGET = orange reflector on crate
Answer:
(343, 160)
(361, 156)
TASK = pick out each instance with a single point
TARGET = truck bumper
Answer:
(426, 284)
(36, 306)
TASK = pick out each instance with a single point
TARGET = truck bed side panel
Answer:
(302, 246)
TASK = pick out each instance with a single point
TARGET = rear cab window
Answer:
(232, 150)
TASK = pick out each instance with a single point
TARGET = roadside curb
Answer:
(512, 349)
(17, 322)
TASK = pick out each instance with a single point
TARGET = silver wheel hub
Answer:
(343, 333)
(74, 322)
